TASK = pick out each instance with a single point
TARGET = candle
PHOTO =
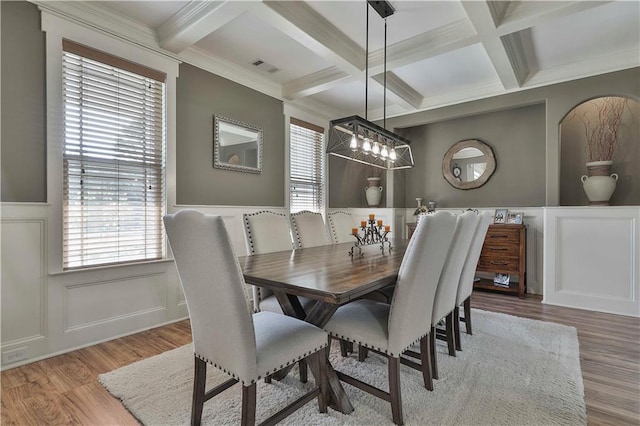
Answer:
(363, 223)
(372, 216)
(387, 228)
(379, 221)
(354, 231)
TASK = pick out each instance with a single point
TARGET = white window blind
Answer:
(306, 161)
(114, 159)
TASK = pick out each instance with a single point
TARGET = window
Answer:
(306, 165)
(113, 159)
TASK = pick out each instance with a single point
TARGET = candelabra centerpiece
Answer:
(370, 232)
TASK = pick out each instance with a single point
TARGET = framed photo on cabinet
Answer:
(500, 216)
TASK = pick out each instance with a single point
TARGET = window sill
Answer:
(112, 267)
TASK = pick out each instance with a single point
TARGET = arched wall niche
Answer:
(573, 152)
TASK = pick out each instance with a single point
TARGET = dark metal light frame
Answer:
(357, 139)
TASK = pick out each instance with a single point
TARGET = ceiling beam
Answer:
(195, 21)
(400, 92)
(302, 23)
(316, 82)
(482, 18)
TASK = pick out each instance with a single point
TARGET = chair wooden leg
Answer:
(362, 353)
(343, 348)
(425, 361)
(248, 405)
(456, 327)
(434, 354)
(302, 364)
(267, 379)
(394, 390)
(451, 344)
(467, 315)
(199, 380)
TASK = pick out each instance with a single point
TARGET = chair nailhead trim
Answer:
(219, 367)
(367, 345)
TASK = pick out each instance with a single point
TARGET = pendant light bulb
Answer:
(392, 154)
(354, 143)
(366, 145)
(384, 152)
(376, 148)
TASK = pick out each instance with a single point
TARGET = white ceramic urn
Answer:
(373, 191)
(599, 189)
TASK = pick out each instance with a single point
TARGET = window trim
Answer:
(293, 114)
(56, 29)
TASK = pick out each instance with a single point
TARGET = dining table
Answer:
(330, 275)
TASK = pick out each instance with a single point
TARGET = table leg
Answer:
(318, 315)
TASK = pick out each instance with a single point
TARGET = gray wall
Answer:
(559, 100)
(517, 139)
(200, 96)
(348, 180)
(23, 147)
(626, 158)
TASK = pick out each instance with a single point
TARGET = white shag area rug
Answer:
(512, 371)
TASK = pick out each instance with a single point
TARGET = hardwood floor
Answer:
(65, 390)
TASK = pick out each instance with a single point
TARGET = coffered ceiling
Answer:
(438, 52)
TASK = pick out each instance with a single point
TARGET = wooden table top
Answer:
(325, 273)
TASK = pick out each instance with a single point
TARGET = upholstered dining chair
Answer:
(340, 224)
(392, 329)
(265, 232)
(245, 346)
(445, 298)
(465, 287)
(308, 229)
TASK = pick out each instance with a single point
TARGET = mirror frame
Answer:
(468, 143)
(218, 162)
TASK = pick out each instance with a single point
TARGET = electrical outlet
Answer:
(15, 355)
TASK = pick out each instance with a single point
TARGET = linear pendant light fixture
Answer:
(357, 139)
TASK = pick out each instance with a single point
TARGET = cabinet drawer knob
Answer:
(493, 262)
(499, 236)
(498, 248)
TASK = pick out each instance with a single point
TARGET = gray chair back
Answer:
(212, 281)
(266, 231)
(340, 225)
(418, 276)
(308, 229)
(465, 287)
(445, 300)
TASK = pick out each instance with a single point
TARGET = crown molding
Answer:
(612, 62)
(514, 49)
(195, 21)
(92, 15)
(316, 82)
(455, 35)
(526, 14)
(401, 93)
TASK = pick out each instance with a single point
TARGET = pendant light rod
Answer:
(384, 96)
(366, 68)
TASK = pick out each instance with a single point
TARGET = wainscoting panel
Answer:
(592, 258)
(89, 304)
(23, 280)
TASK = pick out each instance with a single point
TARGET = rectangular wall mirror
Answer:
(236, 145)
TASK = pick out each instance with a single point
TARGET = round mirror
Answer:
(468, 164)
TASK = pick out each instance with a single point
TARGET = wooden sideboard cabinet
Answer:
(504, 252)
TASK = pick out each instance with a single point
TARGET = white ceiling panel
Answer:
(246, 38)
(587, 34)
(466, 67)
(350, 98)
